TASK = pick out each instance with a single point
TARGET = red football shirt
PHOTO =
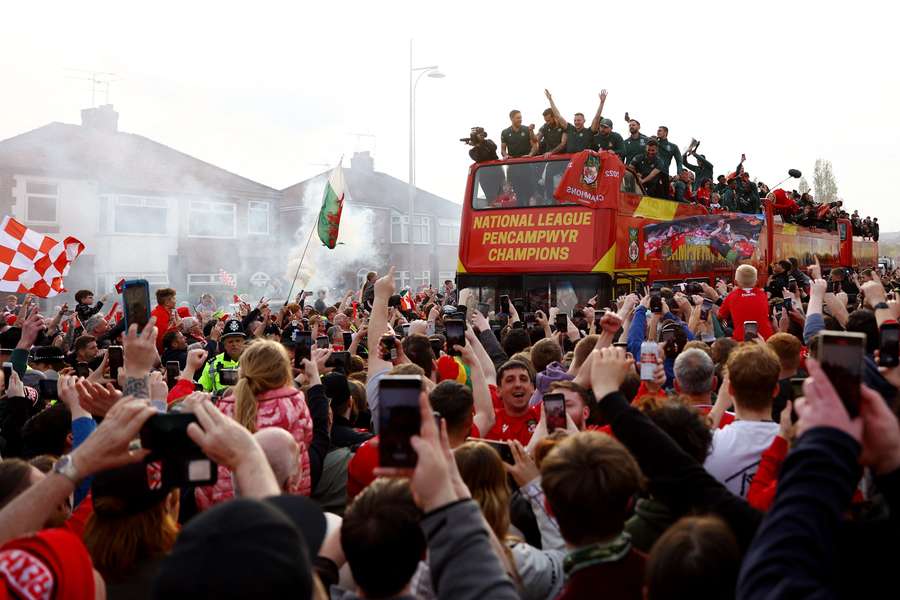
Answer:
(508, 427)
(747, 305)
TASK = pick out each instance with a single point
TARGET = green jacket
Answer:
(211, 382)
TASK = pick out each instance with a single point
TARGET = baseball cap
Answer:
(53, 563)
(606, 123)
(244, 548)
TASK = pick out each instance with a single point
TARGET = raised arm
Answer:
(595, 124)
(384, 289)
(484, 409)
(556, 114)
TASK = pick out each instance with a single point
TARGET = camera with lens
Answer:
(483, 149)
(477, 136)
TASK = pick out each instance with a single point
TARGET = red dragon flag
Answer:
(34, 263)
(332, 206)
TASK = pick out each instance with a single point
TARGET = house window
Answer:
(212, 219)
(136, 214)
(421, 229)
(401, 280)
(422, 280)
(198, 283)
(447, 232)
(41, 200)
(258, 218)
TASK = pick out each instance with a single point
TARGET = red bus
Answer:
(516, 239)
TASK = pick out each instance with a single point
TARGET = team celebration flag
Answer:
(34, 263)
(332, 205)
(592, 179)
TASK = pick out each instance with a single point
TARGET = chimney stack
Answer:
(102, 118)
(362, 163)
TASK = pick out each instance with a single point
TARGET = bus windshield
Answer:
(526, 184)
(517, 185)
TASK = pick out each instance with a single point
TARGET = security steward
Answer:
(233, 340)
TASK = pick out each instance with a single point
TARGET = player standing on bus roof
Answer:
(552, 135)
(578, 137)
(607, 139)
(651, 171)
(517, 141)
(636, 143)
(668, 150)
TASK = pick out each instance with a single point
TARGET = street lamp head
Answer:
(436, 74)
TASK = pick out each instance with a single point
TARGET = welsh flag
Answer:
(332, 206)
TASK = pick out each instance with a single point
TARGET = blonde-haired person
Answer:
(539, 573)
(746, 302)
(265, 397)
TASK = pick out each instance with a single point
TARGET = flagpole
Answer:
(297, 274)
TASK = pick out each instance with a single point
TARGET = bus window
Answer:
(517, 185)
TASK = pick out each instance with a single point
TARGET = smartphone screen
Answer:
(348, 338)
(173, 369)
(518, 325)
(555, 409)
(116, 361)
(889, 351)
(655, 301)
(751, 330)
(504, 304)
(47, 389)
(390, 348)
(322, 341)
(399, 419)
(183, 463)
(136, 300)
(792, 285)
(82, 370)
(456, 335)
(7, 373)
(484, 308)
(437, 344)
(404, 328)
(502, 448)
(228, 376)
(562, 322)
(667, 335)
(339, 361)
(303, 348)
(841, 356)
(705, 308)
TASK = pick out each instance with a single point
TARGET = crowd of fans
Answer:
(685, 463)
(649, 159)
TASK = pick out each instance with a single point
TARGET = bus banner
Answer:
(592, 179)
(710, 239)
(556, 238)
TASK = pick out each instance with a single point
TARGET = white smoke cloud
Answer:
(332, 270)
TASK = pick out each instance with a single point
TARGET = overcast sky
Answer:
(273, 90)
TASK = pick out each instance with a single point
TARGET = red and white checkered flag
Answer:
(34, 263)
(227, 279)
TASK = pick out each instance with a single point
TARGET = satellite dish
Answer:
(795, 173)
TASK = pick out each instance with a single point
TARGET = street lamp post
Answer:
(415, 74)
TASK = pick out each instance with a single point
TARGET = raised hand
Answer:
(140, 350)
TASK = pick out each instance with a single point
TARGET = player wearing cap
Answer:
(233, 339)
(607, 139)
(578, 137)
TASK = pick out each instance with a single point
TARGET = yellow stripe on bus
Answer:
(788, 229)
(607, 264)
(459, 266)
(654, 208)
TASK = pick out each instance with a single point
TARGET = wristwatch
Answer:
(881, 306)
(65, 466)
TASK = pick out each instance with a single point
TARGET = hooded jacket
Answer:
(285, 408)
(553, 373)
